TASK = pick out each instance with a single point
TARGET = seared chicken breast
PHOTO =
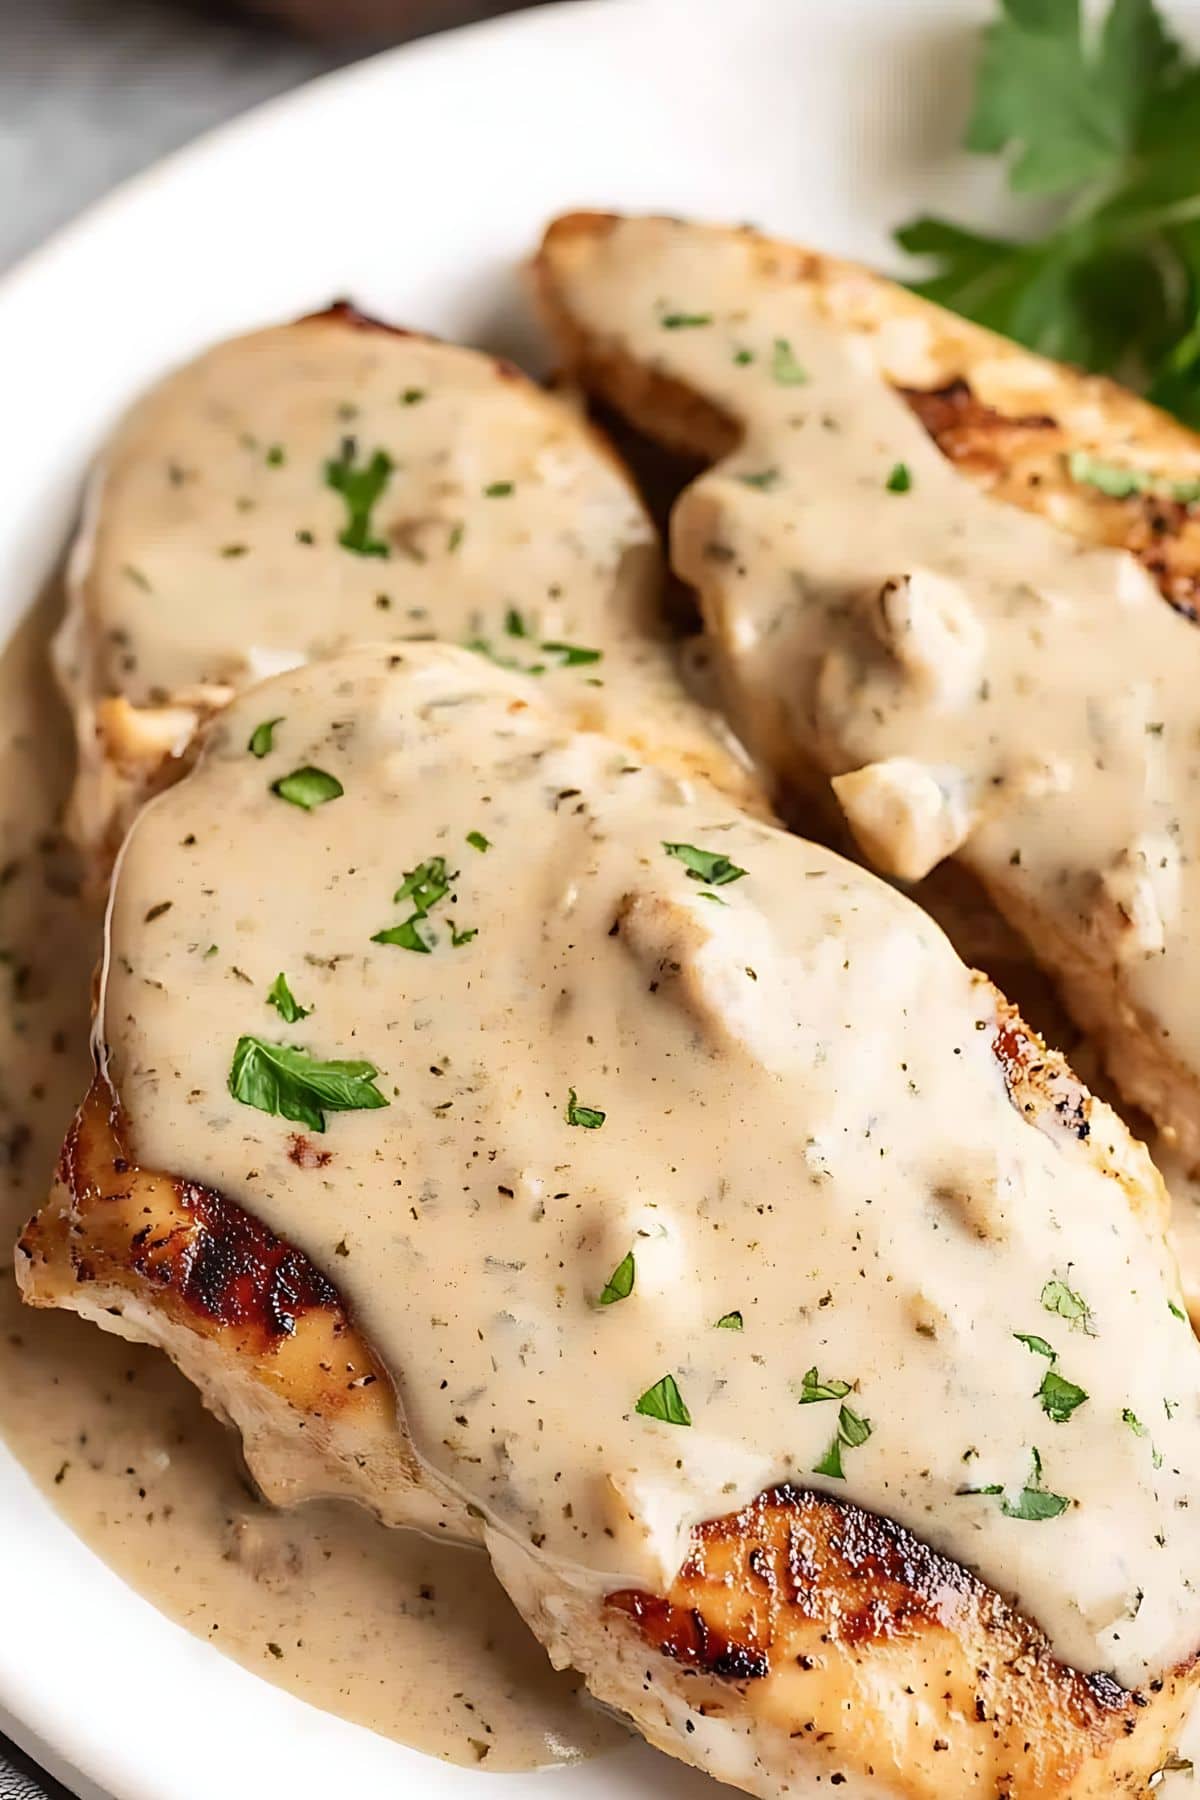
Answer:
(334, 481)
(934, 567)
(525, 1140)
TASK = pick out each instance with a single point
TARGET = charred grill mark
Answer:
(685, 1636)
(797, 1576)
(956, 420)
(1021, 454)
(1037, 1080)
(219, 1261)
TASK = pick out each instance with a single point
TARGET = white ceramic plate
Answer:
(415, 183)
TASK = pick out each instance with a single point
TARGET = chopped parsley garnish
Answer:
(276, 457)
(1058, 1298)
(1130, 1418)
(762, 479)
(514, 623)
(705, 865)
(852, 1430)
(1176, 1311)
(478, 842)
(1120, 482)
(590, 1117)
(899, 480)
(360, 488)
(784, 367)
(572, 656)
(426, 886)
(619, 1285)
(743, 357)
(498, 490)
(1033, 1502)
(412, 396)
(262, 737)
(415, 933)
(1059, 1397)
(664, 1401)
(280, 996)
(684, 321)
(308, 787)
(730, 1321)
(291, 1084)
(813, 1388)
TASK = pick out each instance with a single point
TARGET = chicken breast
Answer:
(934, 568)
(334, 481)
(521, 1138)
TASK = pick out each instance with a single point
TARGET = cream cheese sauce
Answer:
(333, 482)
(777, 1096)
(412, 1640)
(975, 680)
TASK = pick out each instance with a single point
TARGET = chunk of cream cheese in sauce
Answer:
(975, 680)
(333, 481)
(697, 1170)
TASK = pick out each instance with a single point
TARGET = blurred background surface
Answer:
(93, 90)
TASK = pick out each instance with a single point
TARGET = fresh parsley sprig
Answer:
(1105, 124)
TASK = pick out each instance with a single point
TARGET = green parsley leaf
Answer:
(813, 1388)
(831, 1462)
(1135, 1425)
(705, 865)
(1119, 482)
(743, 357)
(730, 1321)
(1107, 122)
(290, 1083)
(1033, 1502)
(588, 1116)
(1176, 1311)
(478, 842)
(899, 480)
(1038, 1345)
(280, 996)
(458, 937)
(308, 787)
(276, 457)
(572, 656)
(360, 488)
(412, 396)
(664, 1401)
(784, 367)
(619, 1285)
(684, 321)
(1058, 1298)
(425, 885)
(514, 623)
(762, 479)
(853, 1430)
(414, 933)
(498, 490)
(262, 737)
(1059, 1397)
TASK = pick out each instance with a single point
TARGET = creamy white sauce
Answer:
(975, 680)
(413, 1640)
(804, 1122)
(333, 482)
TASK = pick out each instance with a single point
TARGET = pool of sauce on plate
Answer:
(411, 1639)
